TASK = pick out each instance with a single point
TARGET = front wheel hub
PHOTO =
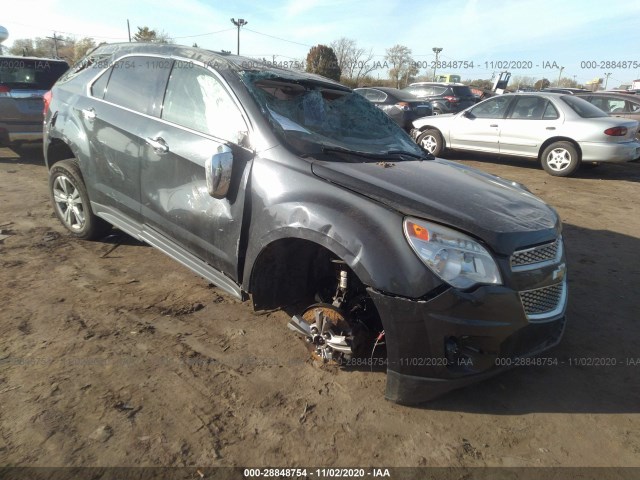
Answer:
(330, 336)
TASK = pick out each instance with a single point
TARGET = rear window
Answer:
(582, 107)
(406, 96)
(30, 74)
(462, 91)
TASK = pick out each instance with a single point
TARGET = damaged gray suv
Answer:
(290, 189)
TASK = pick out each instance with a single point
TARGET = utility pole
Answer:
(55, 42)
(129, 30)
(560, 75)
(240, 23)
(607, 80)
(437, 51)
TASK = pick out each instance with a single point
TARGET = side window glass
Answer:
(492, 108)
(196, 99)
(137, 82)
(550, 113)
(100, 85)
(616, 106)
(380, 96)
(528, 108)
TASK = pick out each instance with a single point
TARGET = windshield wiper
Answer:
(422, 156)
(387, 154)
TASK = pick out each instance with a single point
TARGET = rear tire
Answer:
(560, 159)
(431, 140)
(71, 202)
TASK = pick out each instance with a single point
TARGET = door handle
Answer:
(551, 128)
(89, 113)
(494, 125)
(158, 144)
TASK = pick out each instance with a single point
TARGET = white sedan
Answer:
(561, 131)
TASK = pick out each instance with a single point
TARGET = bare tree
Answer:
(68, 48)
(522, 81)
(355, 63)
(403, 67)
(542, 83)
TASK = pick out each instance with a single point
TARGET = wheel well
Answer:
(289, 271)
(57, 151)
(549, 141)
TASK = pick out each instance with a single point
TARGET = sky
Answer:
(533, 38)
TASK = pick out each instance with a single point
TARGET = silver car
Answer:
(561, 131)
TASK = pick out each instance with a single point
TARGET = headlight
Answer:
(453, 256)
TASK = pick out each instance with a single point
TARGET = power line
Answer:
(278, 38)
(205, 34)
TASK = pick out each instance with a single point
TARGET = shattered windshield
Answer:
(315, 118)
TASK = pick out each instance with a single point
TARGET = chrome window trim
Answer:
(172, 58)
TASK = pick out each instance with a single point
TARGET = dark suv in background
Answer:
(23, 83)
(293, 189)
(443, 97)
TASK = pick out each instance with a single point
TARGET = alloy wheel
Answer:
(68, 203)
(558, 159)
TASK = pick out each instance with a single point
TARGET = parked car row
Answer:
(444, 97)
(402, 107)
(419, 100)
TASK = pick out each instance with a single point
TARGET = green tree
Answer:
(145, 34)
(322, 60)
(403, 68)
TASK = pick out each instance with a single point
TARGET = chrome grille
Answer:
(544, 302)
(548, 252)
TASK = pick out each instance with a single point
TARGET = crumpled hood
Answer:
(488, 207)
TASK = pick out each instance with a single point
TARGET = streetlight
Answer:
(437, 51)
(240, 23)
(560, 75)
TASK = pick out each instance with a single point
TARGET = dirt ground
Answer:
(122, 357)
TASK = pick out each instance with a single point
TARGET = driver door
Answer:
(199, 118)
(478, 128)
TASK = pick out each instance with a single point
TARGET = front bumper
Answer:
(457, 338)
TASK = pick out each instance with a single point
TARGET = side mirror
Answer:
(467, 114)
(218, 172)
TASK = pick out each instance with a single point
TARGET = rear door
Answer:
(199, 115)
(530, 121)
(479, 128)
(115, 117)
